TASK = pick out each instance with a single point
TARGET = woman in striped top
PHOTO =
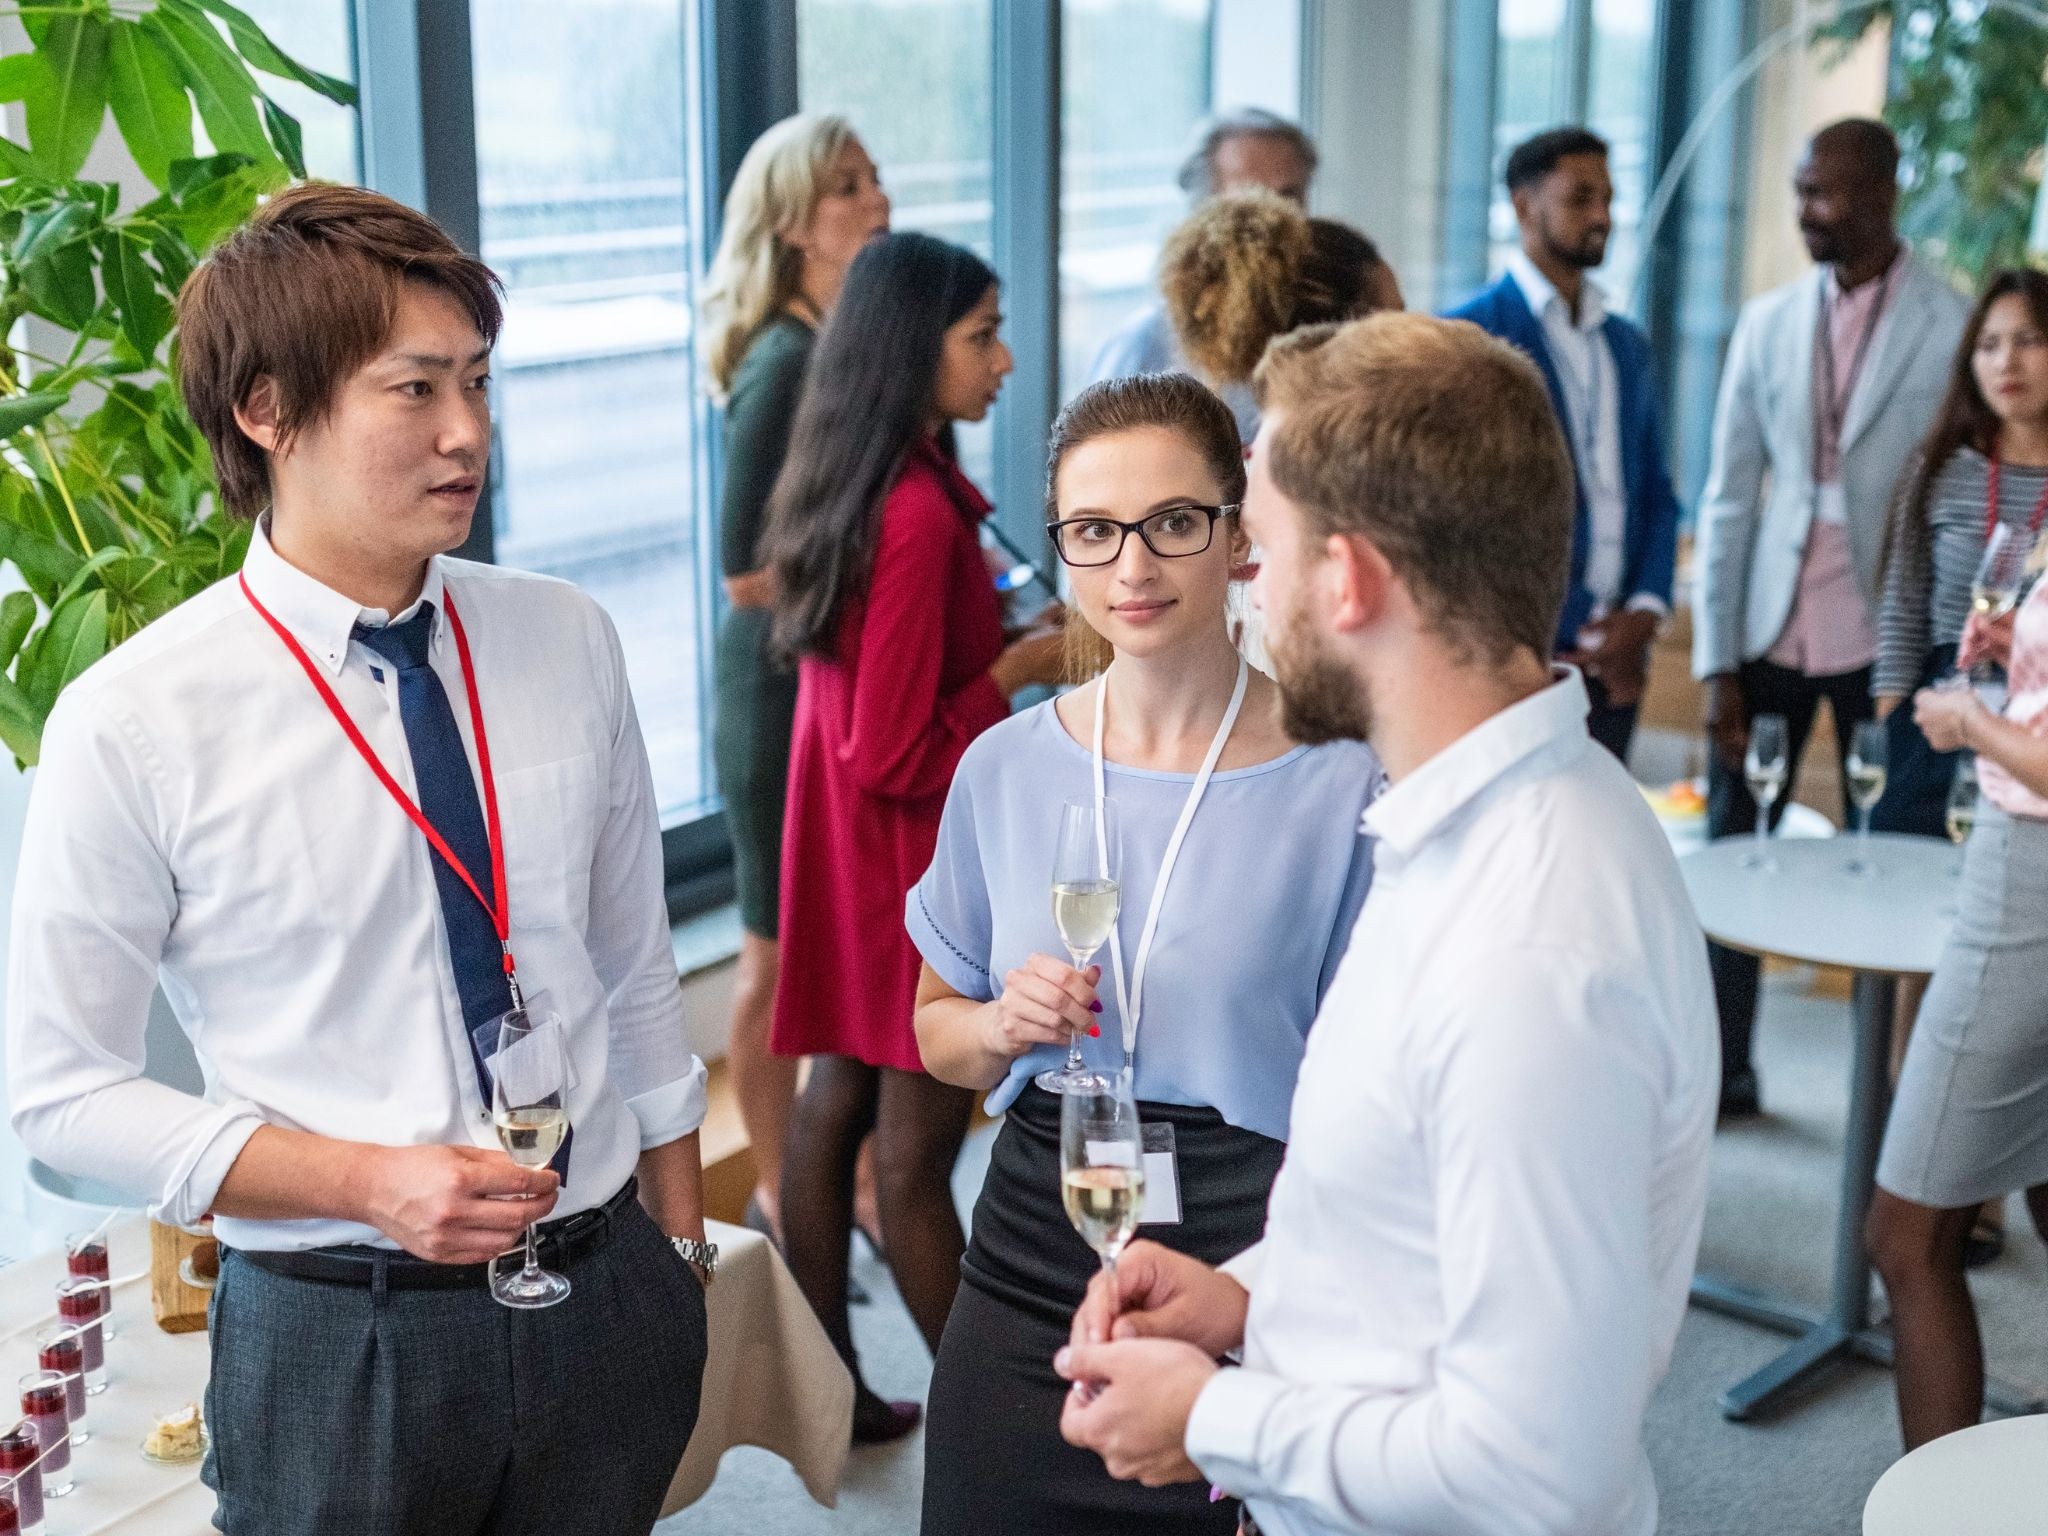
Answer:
(1939, 526)
(1970, 1119)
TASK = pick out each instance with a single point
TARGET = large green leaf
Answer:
(150, 105)
(189, 177)
(14, 160)
(144, 312)
(17, 75)
(285, 135)
(265, 55)
(75, 639)
(21, 724)
(44, 229)
(17, 618)
(60, 285)
(220, 83)
(66, 100)
(18, 411)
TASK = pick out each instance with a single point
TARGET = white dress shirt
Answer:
(199, 820)
(1586, 374)
(1480, 1245)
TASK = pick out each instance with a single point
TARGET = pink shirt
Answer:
(1830, 629)
(2026, 705)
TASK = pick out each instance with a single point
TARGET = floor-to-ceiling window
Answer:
(583, 125)
(316, 33)
(1135, 81)
(916, 77)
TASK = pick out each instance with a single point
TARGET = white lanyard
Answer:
(1131, 996)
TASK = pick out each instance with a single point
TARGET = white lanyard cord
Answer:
(1131, 995)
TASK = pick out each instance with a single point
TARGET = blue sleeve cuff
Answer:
(952, 964)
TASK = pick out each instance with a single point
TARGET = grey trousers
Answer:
(441, 1413)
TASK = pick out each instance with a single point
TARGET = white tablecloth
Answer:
(772, 1380)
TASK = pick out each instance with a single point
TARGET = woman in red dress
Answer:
(885, 599)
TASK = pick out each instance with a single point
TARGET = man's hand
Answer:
(1136, 1415)
(1161, 1294)
(453, 1205)
(1616, 650)
(1727, 730)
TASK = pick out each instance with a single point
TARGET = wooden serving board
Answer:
(180, 1308)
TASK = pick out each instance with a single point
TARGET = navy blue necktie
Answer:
(447, 798)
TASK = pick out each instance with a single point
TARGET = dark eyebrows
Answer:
(1188, 503)
(435, 362)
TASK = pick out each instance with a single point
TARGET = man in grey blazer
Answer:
(1830, 384)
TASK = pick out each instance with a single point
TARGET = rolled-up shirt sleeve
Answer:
(93, 906)
(656, 1072)
(1542, 1129)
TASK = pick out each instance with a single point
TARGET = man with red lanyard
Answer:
(348, 808)
(1830, 384)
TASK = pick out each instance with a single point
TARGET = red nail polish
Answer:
(1094, 1031)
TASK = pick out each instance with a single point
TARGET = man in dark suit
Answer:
(1597, 366)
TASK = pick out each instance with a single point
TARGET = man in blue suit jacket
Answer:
(1625, 537)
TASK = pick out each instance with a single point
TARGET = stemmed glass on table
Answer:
(1866, 763)
(1764, 768)
(529, 1087)
(1085, 903)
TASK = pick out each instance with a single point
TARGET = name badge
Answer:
(1162, 1178)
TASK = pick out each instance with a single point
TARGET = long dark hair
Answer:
(867, 398)
(1965, 420)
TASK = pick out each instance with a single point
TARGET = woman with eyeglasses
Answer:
(1251, 916)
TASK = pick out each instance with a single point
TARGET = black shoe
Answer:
(877, 1421)
(1984, 1244)
(1741, 1098)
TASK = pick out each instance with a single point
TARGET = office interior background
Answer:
(582, 146)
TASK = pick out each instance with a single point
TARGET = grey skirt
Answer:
(1970, 1118)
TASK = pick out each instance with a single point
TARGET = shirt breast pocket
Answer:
(551, 813)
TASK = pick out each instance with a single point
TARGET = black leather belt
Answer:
(562, 1243)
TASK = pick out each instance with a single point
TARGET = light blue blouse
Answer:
(1260, 909)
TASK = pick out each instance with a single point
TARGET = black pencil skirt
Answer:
(994, 1460)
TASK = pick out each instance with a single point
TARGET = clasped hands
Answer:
(1140, 1354)
(1943, 714)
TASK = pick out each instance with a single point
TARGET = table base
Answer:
(1821, 1343)
(1844, 1331)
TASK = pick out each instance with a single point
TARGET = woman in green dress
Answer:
(805, 201)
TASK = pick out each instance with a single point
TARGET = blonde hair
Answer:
(755, 271)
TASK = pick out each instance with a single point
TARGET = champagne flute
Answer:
(529, 1082)
(1764, 768)
(1866, 786)
(1102, 1169)
(1961, 813)
(1085, 903)
(1995, 591)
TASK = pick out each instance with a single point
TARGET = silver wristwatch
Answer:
(703, 1255)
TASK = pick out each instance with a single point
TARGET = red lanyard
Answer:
(1991, 504)
(500, 920)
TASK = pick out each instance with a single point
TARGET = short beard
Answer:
(1319, 700)
(1578, 257)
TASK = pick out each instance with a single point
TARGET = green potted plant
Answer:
(108, 512)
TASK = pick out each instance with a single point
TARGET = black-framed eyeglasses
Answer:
(1170, 533)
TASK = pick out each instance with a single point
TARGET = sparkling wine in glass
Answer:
(1866, 785)
(1102, 1167)
(1085, 902)
(1764, 768)
(1995, 591)
(1961, 813)
(529, 1083)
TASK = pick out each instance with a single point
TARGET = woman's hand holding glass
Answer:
(1044, 1001)
(1943, 715)
(1986, 639)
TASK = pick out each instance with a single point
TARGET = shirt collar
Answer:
(1413, 810)
(1540, 293)
(320, 618)
(1885, 280)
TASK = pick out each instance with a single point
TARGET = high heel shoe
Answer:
(877, 1421)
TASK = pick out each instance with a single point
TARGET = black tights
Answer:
(918, 1124)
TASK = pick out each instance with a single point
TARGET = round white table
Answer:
(1892, 921)
(1989, 1480)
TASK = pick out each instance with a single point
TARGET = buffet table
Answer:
(772, 1380)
